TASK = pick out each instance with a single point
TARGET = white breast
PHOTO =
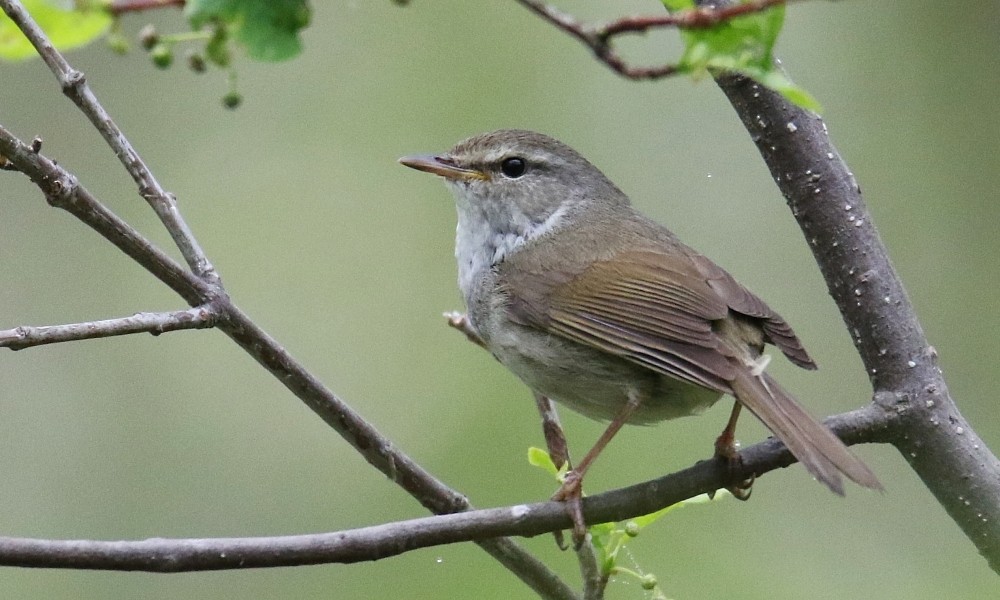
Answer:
(480, 244)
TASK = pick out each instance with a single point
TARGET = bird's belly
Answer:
(595, 383)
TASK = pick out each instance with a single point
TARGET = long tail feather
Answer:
(813, 444)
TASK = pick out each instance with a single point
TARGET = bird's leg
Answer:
(571, 491)
(725, 450)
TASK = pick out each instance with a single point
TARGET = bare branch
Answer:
(600, 45)
(826, 201)
(62, 190)
(74, 86)
(697, 18)
(200, 317)
(594, 583)
(871, 424)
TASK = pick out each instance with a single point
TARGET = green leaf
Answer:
(777, 81)
(541, 459)
(744, 45)
(217, 48)
(600, 534)
(740, 42)
(268, 28)
(677, 5)
(644, 520)
(67, 28)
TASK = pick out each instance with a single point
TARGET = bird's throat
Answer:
(482, 242)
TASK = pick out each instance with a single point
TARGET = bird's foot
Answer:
(727, 451)
(571, 494)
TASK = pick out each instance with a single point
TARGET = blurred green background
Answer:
(346, 258)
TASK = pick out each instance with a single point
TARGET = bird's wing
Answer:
(653, 308)
(741, 300)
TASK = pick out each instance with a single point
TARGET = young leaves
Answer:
(269, 29)
(741, 44)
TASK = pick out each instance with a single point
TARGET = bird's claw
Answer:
(570, 493)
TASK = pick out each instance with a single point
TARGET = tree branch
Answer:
(74, 86)
(600, 38)
(200, 317)
(62, 190)
(871, 424)
(826, 200)
(120, 7)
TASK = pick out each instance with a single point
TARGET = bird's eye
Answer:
(513, 167)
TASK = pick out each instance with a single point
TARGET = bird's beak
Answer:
(443, 166)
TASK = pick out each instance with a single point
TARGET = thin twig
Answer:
(696, 18)
(119, 7)
(459, 321)
(74, 86)
(555, 438)
(600, 38)
(62, 190)
(594, 583)
(200, 317)
(871, 424)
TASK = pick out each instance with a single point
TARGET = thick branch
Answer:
(826, 201)
(381, 541)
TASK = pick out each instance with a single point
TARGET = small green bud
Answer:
(162, 56)
(232, 100)
(632, 529)
(118, 44)
(195, 61)
(648, 581)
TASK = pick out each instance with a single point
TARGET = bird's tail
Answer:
(812, 443)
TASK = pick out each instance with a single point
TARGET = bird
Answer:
(605, 311)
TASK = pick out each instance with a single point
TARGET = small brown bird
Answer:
(597, 307)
